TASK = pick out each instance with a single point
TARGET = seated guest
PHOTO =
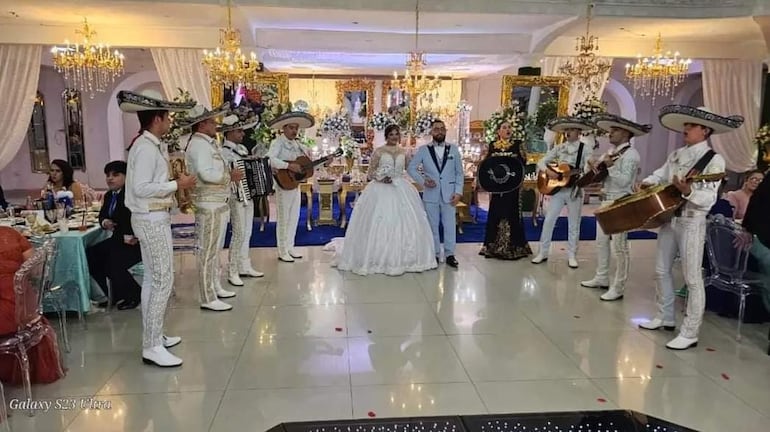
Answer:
(44, 365)
(739, 199)
(61, 178)
(113, 257)
(757, 235)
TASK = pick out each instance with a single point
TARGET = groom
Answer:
(442, 182)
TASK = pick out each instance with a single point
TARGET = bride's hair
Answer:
(390, 128)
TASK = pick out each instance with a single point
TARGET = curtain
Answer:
(19, 73)
(182, 68)
(734, 87)
(551, 67)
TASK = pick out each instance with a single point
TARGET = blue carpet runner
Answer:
(472, 233)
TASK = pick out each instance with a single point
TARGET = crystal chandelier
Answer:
(587, 69)
(88, 67)
(415, 83)
(659, 74)
(227, 66)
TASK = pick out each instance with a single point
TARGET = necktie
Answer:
(113, 203)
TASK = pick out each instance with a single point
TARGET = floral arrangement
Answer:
(423, 123)
(512, 115)
(546, 112)
(380, 121)
(762, 138)
(171, 138)
(264, 134)
(588, 109)
(335, 124)
(306, 140)
(349, 146)
(65, 198)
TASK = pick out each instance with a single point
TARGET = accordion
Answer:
(257, 179)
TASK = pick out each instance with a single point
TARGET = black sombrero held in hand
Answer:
(149, 100)
(500, 173)
(674, 117)
(302, 119)
(608, 121)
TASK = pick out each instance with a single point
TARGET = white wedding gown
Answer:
(388, 231)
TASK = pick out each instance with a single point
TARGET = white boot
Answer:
(595, 283)
(682, 343)
(171, 341)
(159, 356)
(286, 258)
(539, 258)
(572, 262)
(612, 294)
(217, 305)
(234, 279)
(294, 254)
(221, 292)
(250, 272)
(658, 323)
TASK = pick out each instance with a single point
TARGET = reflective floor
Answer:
(308, 342)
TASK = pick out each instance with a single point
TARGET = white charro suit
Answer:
(282, 151)
(241, 216)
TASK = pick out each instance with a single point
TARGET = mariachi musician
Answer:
(620, 166)
(575, 152)
(241, 199)
(686, 232)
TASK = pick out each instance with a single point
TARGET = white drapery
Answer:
(734, 87)
(182, 68)
(19, 73)
(551, 67)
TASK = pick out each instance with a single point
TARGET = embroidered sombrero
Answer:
(560, 124)
(500, 173)
(149, 100)
(200, 113)
(674, 117)
(304, 120)
(609, 121)
(240, 118)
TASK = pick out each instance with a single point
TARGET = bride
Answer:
(389, 231)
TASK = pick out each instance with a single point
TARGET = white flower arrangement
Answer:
(349, 146)
(513, 116)
(588, 109)
(380, 121)
(762, 138)
(306, 140)
(172, 137)
(336, 125)
(423, 123)
(64, 194)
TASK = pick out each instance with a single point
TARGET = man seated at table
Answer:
(113, 257)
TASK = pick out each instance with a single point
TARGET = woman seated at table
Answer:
(44, 365)
(61, 178)
(739, 199)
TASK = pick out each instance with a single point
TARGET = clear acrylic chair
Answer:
(29, 284)
(728, 263)
(4, 425)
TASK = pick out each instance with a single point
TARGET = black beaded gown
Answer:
(505, 237)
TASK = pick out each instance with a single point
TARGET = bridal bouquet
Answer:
(423, 124)
(335, 124)
(513, 116)
(588, 109)
(380, 121)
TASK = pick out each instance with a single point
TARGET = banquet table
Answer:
(71, 265)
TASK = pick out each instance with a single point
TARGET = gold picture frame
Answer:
(520, 88)
(364, 86)
(274, 85)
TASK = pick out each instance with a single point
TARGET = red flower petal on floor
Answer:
(601, 400)
(339, 329)
(710, 349)
(725, 376)
(371, 414)
(659, 366)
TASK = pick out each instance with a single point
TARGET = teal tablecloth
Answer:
(71, 266)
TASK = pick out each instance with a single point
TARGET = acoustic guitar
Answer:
(600, 173)
(289, 180)
(549, 186)
(647, 209)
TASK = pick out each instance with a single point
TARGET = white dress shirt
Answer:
(703, 194)
(233, 152)
(147, 176)
(566, 153)
(622, 174)
(283, 150)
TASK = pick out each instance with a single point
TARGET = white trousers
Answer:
(618, 244)
(241, 221)
(210, 227)
(154, 233)
(686, 236)
(574, 206)
(288, 202)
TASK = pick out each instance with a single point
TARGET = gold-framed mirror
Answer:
(357, 97)
(73, 128)
(541, 98)
(37, 139)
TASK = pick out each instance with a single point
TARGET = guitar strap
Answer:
(701, 164)
(578, 161)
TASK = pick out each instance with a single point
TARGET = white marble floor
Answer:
(308, 342)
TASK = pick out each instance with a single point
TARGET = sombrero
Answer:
(609, 121)
(149, 100)
(304, 120)
(240, 118)
(674, 117)
(560, 124)
(500, 173)
(200, 113)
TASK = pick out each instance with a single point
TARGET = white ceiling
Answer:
(462, 38)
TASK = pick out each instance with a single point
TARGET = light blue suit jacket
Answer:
(449, 180)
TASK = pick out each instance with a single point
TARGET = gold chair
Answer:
(464, 206)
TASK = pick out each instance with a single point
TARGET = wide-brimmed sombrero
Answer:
(240, 118)
(149, 100)
(500, 173)
(609, 121)
(560, 124)
(674, 117)
(304, 120)
(200, 113)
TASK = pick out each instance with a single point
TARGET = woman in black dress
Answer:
(505, 237)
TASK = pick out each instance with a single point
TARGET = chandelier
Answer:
(659, 74)
(415, 83)
(227, 66)
(88, 67)
(587, 69)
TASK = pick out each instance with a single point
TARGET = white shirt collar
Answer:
(149, 135)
